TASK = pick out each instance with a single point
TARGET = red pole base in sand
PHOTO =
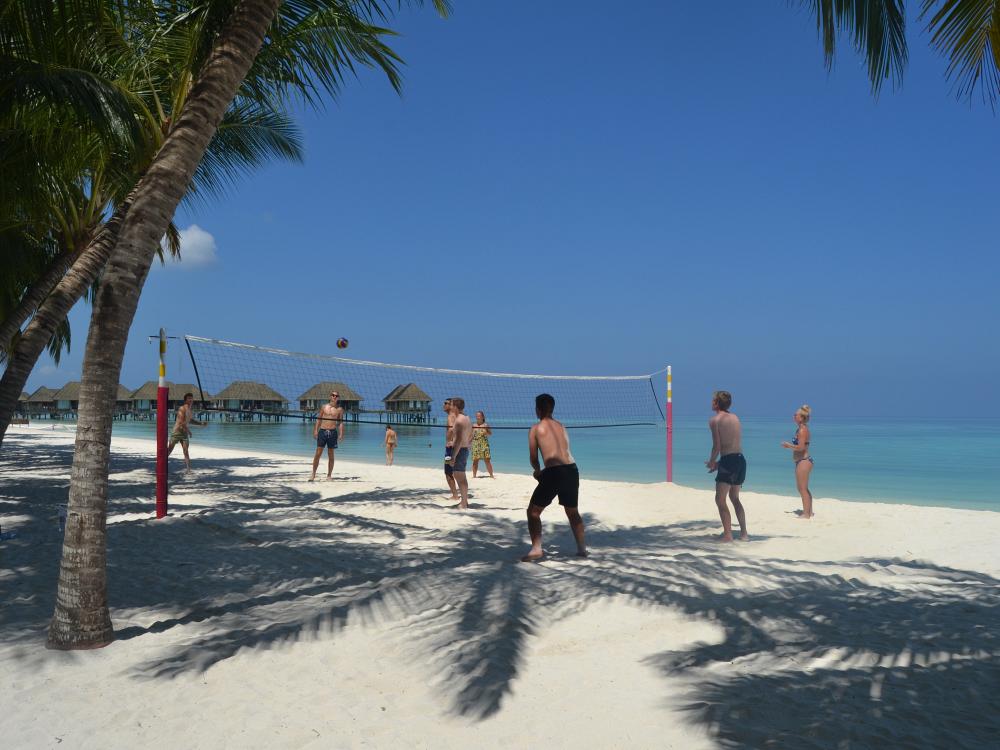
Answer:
(161, 451)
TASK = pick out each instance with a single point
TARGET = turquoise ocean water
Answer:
(919, 461)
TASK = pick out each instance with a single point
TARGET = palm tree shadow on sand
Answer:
(836, 654)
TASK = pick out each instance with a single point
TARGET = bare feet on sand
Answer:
(744, 537)
(533, 556)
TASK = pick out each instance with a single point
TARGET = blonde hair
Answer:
(724, 399)
(804, 412)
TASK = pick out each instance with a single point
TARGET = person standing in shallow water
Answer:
(731, 466)
(799, 446)
(560, 477)
(391, 440)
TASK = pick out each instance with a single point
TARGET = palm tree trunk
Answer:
(53, 311)
(82, 618)
(34, 296)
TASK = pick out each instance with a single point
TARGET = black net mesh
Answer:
(240, 378)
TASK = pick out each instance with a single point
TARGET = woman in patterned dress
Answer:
(481, 444)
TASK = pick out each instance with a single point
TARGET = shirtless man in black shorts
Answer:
(731, 466)
(328, 432)
(559, 477)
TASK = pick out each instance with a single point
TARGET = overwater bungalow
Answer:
(22, 403)
(319, 394)
(143, 398)
(248, 396)
(123, 401)
(67, 398)
(40, 403)
(408, 403)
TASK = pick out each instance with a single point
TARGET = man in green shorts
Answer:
(182, 429)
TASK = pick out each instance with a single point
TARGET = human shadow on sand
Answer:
(862, 653)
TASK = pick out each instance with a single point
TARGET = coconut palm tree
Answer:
(54, 216)
(311, 45)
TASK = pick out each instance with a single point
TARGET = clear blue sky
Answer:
(578, 187)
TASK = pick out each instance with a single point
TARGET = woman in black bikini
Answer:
(803, 461)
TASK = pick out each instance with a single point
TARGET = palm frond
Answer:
(877, 29)
(61, 340)
(171, 243)
(967, 32)
(311, 49)
(249, 136)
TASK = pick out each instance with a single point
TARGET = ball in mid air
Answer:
(341, 343)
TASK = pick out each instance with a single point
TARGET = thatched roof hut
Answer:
(247, 394)
(68, 397)
(143, 398)
(319, 394)
(23, 397)
(407, 398)
(41, 400)
(42, 395)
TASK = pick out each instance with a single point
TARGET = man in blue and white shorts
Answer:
(328, 432)
(462, 432)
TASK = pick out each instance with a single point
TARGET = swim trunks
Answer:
(178, 436)
(326, 439)
(563, 480)
(732, 469)
(461, 459)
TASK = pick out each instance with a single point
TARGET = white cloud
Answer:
(197, 250)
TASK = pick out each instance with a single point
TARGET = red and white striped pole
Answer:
(670, 425)
(161, 431)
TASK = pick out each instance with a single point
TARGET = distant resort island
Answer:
(240, 401)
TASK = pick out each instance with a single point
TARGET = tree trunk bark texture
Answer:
(53, 311)
(82, 618)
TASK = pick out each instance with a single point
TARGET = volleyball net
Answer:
(241, 379)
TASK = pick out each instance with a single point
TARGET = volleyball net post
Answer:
(161, 431)
(670, 425)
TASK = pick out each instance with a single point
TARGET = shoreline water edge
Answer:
(929, 463)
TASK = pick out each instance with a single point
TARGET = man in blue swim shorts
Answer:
(462, 437)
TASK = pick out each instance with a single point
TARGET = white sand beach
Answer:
(365, 612)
